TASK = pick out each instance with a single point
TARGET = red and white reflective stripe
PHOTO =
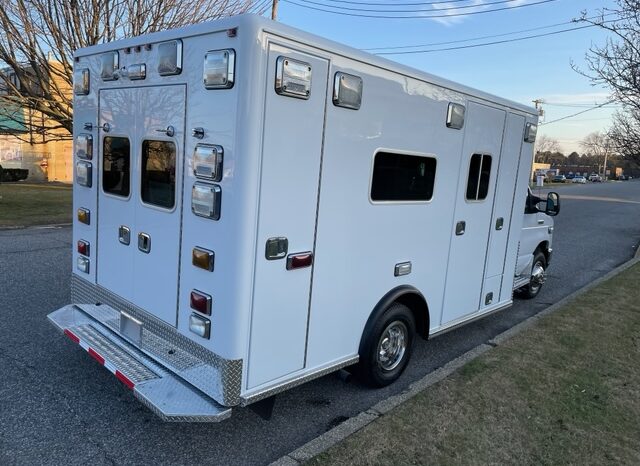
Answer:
(98, 357)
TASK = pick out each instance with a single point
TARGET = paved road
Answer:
(58, 406)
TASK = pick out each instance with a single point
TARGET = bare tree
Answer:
(599, 146)
(616, 65)
(545, 144)
(38, 38)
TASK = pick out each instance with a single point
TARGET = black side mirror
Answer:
(553, 205)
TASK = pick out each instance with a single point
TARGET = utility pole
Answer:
(274, 10)
(538, 103)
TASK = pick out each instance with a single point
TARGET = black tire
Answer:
(531, 290)
(379, 371)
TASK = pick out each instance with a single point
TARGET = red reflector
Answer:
(96, 356)
(201, 302)
(298, 261)
(125, 380)
(83, 248)
(71, 336)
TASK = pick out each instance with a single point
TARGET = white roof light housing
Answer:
(137, 71)
(81, 81)
(170, 58)
(347, 91)
(109, 65)
(293, 78)
(530, 132)
(455, 116)
(219, 69)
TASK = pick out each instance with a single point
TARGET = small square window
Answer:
(479, 177)
(116, 159)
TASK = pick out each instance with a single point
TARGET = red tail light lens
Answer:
(201, 302)
(83, 248)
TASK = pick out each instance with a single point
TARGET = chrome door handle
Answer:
(144, 242)
(540, 222)
(124, 235)
(169, 131)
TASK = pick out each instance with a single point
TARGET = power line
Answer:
(579, 113)
(398, 4)
(472, 39)
(484, 44)
(386, 10)
(447, 15)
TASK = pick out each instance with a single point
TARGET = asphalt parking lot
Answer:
(59, 406)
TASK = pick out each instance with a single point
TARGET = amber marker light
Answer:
(202, 258)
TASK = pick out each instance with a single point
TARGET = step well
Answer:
(164, 393)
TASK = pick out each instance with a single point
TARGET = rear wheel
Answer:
(386, 350)
(538, 276)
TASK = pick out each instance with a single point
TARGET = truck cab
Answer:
(535, 247)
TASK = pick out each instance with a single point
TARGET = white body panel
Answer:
(300, 169)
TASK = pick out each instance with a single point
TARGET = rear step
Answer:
(164, 393)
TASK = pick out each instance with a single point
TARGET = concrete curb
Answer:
(330, 438)
(35, 227)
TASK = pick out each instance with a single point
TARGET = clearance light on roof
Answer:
(219, 66)
(84, 146)
(84, 216)
(205, 200)
(170, 58)
(81, 81)
(200, 326)
(83, 264)
(347, 91)
(109, 64)
(84, 174)
(455, 116)
(200, 302)
(530, 132)
(203, 259)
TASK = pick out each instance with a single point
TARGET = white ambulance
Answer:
(256, 207)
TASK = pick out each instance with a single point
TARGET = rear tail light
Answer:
(203, 259)
(83, 264)
(201, 302)
(83, 247)
(200, 326)
(84, 216)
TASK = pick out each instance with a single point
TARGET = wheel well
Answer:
(544, 247)
(410, 297)
(420, 310)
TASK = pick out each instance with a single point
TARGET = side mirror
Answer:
(553, 205)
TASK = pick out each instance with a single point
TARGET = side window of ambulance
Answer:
(402, 177)
(116, 160)
(479, 177)
(158, 182)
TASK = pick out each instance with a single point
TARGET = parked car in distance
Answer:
(571, 176)
(559, 179)
(595, 178)
(622, 178)
(579, 179)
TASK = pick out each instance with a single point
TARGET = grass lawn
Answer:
(566, 391)
(25, 204)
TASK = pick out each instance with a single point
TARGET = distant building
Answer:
(27, 141)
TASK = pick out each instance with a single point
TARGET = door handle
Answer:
(144, 242)
(169, 131)
(499, 223)
(460, 227)
(541, 222)
(124, 235)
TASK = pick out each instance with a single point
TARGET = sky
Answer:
(537, 68)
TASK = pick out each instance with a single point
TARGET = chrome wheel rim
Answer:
(392, 345)
(538, 276)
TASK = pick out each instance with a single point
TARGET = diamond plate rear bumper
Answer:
(166, 394)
